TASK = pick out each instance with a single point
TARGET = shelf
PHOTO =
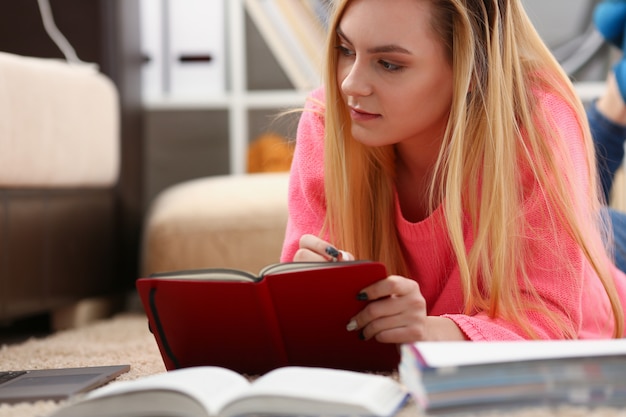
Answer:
(233, 95)
(267, 99)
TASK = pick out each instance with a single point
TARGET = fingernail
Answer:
(345, 256)
(332, 252)
(361, 296)
(352, 325)
(361, 335)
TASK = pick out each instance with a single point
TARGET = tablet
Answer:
(54, 384)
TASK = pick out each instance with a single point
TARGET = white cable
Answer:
(55, 34)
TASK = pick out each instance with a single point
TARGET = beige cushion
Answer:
(59, 124)
(223, 221)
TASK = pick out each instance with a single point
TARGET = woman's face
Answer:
(393, 72)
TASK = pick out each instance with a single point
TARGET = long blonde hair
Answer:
(495, 126)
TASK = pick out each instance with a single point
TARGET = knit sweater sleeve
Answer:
(570, 289)
(307, 207)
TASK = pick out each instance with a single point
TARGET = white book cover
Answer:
(454, 354)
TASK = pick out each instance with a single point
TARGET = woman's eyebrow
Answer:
(377, 49)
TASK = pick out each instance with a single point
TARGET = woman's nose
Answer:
(355, 80)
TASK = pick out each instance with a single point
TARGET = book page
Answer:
(451, 354)
(299, 266)
(211, 274)
(209, 385)
(319, 391)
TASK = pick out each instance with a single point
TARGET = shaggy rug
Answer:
(125, 339)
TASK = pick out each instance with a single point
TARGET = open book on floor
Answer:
(450, 377)
(214, 391)
(290, 314)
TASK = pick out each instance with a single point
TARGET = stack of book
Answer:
(463, 377)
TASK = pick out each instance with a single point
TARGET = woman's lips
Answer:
(362, 116)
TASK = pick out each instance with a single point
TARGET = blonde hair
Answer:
(495, 127)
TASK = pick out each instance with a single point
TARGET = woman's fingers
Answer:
(312, 248)
(396, 313)
(392, 285)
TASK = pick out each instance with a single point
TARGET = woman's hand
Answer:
(397, 314)
(314, 249)
(397, 310)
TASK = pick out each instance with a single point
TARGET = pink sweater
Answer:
(579, 297)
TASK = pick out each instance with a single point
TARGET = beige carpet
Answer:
(125, 339)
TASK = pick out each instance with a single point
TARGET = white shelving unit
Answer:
(237, 99)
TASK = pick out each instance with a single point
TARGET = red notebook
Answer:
(291, 314)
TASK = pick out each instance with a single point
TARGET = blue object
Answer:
(609, 143)
(618, 219)
(620, 76)
(609, 16)
(608, 138)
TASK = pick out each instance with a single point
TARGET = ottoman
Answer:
(233, 221)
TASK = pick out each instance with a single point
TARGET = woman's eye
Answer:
(344, 51)
(389, 66)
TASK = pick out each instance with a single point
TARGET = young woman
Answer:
(448, 144)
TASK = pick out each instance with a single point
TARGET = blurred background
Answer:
(201, 81)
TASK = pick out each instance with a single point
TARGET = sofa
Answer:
(59, 167)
